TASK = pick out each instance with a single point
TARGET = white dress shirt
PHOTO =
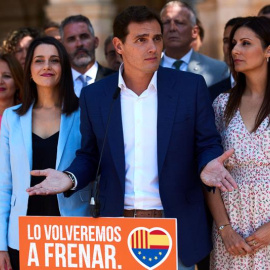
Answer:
(91, 73)
(139, 119)
(168, 61)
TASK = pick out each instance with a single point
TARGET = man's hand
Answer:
(260, 238)
(4, 261)
(55, 182)
(214, 173)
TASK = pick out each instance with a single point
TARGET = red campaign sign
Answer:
(102, 243)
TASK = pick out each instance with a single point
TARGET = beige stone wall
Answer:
(19, 13)
(100, 12)
(215, 13)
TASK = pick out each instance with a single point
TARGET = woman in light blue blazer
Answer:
(43, 132)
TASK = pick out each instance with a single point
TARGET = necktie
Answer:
(84, 80)
(177, 64)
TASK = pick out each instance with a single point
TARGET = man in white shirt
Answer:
(78, 37)
(180, 30)
(161, 136)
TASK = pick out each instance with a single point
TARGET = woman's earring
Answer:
(267, 59)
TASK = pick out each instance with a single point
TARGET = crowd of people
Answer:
(188, 135)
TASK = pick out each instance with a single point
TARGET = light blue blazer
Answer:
(16, 164)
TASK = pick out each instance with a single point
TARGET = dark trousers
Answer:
(204, 264)
(14, 258)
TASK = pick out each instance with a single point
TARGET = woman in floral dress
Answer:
(241, 234)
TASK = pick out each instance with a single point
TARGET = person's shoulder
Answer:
(105, 81)
(11, 113)
(224, 84)
(220, 87)
(181, 82)
(97, 88)
(212, 62)
(12, 110)
(221, 100)
(172, 74)
(105, 71)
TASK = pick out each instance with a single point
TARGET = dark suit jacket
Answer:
(103, 72)
(220, 87)
(186, 140)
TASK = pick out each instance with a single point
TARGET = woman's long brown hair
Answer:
(261, 27)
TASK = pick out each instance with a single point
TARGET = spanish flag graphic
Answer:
(149, 247)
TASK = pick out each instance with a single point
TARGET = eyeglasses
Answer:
(111, 54)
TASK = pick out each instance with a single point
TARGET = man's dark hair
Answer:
(264, 10)
(76, 19)
(233, 21)
(67, 97)
(51, 24)
(136, 14)
(201, 29)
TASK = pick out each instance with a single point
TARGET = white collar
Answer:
(121, 83)
(185, 58)
(91, 72)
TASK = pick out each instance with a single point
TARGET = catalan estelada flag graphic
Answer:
(150, 247)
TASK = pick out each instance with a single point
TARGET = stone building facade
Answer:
(213, 14)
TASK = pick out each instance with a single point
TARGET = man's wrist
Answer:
(73, 179)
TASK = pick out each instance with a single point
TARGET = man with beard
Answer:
(78, 37)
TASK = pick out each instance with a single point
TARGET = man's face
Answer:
(178, 30)
(226, 36)
(113, 58)
(80, 44)
(142, 48)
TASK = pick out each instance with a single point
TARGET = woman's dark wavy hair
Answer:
(16, 73)
(67, 97)
(261, 27)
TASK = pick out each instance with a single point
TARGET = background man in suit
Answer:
(114, 60)
(180, 30)
(265, 11)
(228, 83)
(161, 135)
(78, 37)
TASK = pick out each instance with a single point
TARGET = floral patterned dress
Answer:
(248, 207)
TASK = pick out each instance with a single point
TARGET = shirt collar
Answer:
(185, 58)
(121, 83)
(91, 72)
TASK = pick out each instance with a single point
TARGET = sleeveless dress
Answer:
(248, 207)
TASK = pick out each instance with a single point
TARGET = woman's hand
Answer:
(234, 243)
(4, 261)
(259, 238)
